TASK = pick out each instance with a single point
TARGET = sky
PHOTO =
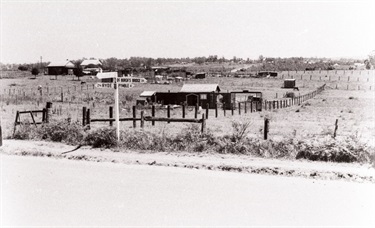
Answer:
(60, 30)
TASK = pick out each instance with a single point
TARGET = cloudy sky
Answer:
(59, 30)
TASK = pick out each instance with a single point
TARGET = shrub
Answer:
(23, 68)
(35, 71)
(62, 131)
(102, 137)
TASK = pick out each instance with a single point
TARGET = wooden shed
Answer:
(60, 68)
(289, 83)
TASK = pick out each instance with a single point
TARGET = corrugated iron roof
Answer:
(66, 63)
(200, 88)
(147, 93)
(91, 61)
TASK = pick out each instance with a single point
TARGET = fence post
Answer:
(183, 111)
(134, 117)
(239, 108)
(336, 127)
(84, 116)
(169, 112)
(207, 110)
(48, 111)
(142, 119)
(196, 111)
(245, 107)
(266, 127)
(224, 109)
(153, 114)
(110, 115)
(232, 107)
(203, 124)
(216, 110)
(88, 118)
(251, 107)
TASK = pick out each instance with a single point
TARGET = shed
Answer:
(200, 75)
(289, 83)
(60, 68)
(91, 66)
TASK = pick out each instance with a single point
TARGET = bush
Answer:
(290, 95)
(35, 71)
(62, 131)
(23, 68)
(102, 137)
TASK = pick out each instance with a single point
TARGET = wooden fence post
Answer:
(153, 114)
(169, 112)
(232, 107)
(224, 109)
(336, 127)
(84, 116)
(203, 124)
(266, 127)
(134, 117)
(239, 108)
(216, 110)
(110, 115)
(88, 118)
(251, 106)
(207, 110)
(48, 112)
(245, 107)
(142, 119)
(196, 111)
(183, 111)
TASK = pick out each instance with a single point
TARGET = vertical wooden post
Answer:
(232, 107)
(239, 108)
(88, 118)
(196, 111)
(134, 117)
(142, 119)
(110, 115)
(84, 116)
(266, 127)
(245, 107)
(169, 112)
(203, 124)
(153, 114)
(224, 109)
(207, 109)
(336, 127)
(216, 110)
(44, 115)
(183, 111)
(48, 112)
(251, 106)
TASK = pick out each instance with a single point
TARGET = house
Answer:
(60, 68)
(91, 66)
(192, 95)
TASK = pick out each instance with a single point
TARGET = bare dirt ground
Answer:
(48, 192)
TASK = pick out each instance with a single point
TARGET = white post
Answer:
(117, 110)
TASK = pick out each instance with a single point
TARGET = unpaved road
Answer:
(44, 191)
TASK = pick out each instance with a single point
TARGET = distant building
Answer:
(91, 66)
(200, 75)
(60, 68)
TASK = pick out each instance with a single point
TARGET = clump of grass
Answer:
(101, 138)
(56, 131)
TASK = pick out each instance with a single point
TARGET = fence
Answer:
(46, 113)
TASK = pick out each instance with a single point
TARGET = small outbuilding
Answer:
(60, 68)
(289, 83)
(200, 75)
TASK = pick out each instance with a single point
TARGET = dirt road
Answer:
(45, 191)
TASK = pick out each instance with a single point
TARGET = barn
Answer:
(60, 68)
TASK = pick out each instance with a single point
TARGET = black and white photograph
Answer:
(187, 113)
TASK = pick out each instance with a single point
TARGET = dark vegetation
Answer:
(192, 140)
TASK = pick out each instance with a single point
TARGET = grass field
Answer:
(349, 97)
